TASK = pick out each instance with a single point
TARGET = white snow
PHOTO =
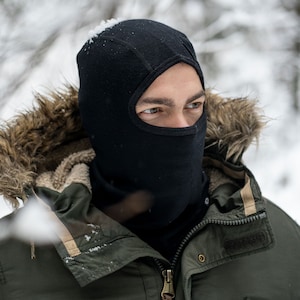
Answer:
(87, 237)
(100, 28)
(33, 223)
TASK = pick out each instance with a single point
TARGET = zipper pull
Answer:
(167, 292)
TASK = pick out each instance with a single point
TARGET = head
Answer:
(118, 65)
(141, 100)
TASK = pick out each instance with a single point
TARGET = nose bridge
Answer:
(178, 120)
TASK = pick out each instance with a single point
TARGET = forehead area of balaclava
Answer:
(117, 65)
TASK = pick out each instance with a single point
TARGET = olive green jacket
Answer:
(244, 248)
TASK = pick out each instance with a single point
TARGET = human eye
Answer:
(194, 105)
(151, 111)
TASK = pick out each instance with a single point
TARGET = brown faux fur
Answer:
(40, 139)
(233, 124)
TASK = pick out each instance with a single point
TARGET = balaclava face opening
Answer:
(115, 68)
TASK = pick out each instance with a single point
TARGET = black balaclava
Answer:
(115, 67)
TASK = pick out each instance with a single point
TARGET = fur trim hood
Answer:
(39, 140)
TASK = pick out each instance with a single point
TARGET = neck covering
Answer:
(115, 67)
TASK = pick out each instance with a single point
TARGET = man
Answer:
(161, 206)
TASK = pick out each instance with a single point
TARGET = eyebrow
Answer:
(168, 102)
(196, 96)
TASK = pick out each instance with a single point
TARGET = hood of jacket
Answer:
(38, 140)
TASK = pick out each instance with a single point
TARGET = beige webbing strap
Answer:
(248, 199)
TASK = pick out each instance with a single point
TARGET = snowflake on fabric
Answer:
(101, 27)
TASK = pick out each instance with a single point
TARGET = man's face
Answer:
(175, 99)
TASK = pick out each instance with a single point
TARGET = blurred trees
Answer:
(268, 31)
(292, 7)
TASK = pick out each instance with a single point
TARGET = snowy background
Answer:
(246, 48)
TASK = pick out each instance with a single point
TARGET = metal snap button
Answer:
(201, 258)
(206, 201)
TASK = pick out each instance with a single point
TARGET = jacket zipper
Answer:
(168, 291)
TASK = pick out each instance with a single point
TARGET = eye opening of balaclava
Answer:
(115, 68)
(142, 88)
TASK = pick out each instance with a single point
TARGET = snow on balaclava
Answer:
(115, 67)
